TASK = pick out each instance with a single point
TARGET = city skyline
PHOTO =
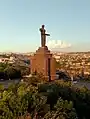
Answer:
(68, 23)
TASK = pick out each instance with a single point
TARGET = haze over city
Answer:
(67, 21)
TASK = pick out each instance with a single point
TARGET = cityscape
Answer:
(74, 63)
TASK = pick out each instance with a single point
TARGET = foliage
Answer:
(62, 110)
(47, 100)
(12, 71)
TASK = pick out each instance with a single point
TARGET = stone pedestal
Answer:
(39, 62)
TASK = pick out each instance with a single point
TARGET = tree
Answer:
(12, 72)
(62, 110)
(43, 99)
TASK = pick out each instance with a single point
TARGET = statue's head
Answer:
(43, 26)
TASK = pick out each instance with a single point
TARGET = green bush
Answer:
(48, 100)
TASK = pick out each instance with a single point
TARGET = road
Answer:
(8, 82)
(81, 84)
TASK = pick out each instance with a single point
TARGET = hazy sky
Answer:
(65, 20)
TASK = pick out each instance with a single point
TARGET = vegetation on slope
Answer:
(12, 71)
(44, 100)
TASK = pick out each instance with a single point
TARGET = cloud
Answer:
(58, 44)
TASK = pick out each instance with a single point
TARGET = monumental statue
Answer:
(43, 61)
(43, 36)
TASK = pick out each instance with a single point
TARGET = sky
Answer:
(67, 21)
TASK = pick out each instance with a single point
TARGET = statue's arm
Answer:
(47, 34)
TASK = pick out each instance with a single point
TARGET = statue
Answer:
(43, 36)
